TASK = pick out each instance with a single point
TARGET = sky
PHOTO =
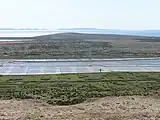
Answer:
(55, 14)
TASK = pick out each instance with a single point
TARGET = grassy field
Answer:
(76, 88)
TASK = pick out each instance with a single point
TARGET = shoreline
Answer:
(76, 60)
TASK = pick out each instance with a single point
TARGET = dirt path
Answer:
(109, 108)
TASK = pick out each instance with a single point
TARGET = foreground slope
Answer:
(109, 108)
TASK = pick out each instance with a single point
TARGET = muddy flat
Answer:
(109, 108)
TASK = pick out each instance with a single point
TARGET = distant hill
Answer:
(155, 33)
(151, 33)
(83, 36)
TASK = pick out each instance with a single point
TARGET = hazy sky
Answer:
(53, 14)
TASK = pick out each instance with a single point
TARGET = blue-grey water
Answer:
(25, 33)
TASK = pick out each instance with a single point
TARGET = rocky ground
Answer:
(109, 108)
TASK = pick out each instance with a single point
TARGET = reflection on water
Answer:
(24, 33)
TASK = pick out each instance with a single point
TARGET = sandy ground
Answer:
(109, 108)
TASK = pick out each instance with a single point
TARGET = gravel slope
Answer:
(109, 108)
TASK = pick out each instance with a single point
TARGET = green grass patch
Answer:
(70, 89)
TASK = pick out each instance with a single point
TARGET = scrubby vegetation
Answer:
(76, 45)
(76, 88)
(57, 49)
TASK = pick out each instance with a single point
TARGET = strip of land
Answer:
(79, 46)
